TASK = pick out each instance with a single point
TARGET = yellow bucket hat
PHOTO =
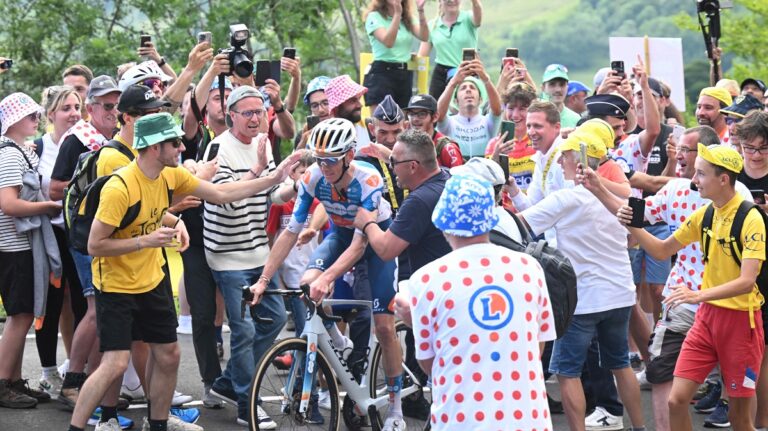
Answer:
(720, 155)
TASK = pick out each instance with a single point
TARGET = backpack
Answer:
(734, 239)
(81, 218)
(558, 273)
(84, 175)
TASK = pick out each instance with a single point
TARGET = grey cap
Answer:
(101, 85)
(238, 94)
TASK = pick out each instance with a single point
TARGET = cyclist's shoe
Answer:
(283, 362)
(394, 423)
(416, 407)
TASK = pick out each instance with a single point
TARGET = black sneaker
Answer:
(719, 417)
(709, 402)
(22, 386)
(225, 393)
(14, 400)
(417, 408)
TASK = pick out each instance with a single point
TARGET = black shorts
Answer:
(17, 282)
(398, 83)
(150, 315)
(661, 369)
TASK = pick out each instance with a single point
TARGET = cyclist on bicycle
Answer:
(343, 185)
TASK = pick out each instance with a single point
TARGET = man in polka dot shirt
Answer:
(480, 317)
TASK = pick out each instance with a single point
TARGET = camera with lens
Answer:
(239, 58)
(712, 7)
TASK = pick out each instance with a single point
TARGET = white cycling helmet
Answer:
(332, 138)
(140, 72)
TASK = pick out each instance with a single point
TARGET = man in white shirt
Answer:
(596, 246)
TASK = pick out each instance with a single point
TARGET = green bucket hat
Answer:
(155, 128)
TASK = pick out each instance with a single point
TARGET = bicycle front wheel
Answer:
(277, 389)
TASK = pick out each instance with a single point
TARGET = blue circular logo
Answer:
(491, 307)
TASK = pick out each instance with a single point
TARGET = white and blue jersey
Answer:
(364, 191)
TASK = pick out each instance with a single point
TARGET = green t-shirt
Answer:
(568, 118)
(400, 51)
(448, 42)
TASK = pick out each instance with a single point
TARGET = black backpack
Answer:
(81, 218)
(84, 175)
(558, 273)
(734, 239)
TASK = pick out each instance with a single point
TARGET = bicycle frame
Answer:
(318, 338)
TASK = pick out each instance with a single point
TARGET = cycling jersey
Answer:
(365, 190)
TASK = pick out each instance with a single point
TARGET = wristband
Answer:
(367, 224)
(264, 279)
(281, 110)
(162, 62)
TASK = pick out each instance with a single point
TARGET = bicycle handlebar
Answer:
(248, 297)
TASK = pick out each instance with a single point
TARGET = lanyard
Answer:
(550, 159)
(391, 185)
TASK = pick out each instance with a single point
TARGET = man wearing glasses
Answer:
(742, 105)
(422, 115)
(237, 246)
(128, 263)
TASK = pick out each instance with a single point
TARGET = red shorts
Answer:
(723, 336)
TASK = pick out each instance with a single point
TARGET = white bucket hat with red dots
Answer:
(14, 108)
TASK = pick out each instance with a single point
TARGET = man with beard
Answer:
(422, 115)
(343, 95)
(711, 101)
(554, 87)
(470, 128)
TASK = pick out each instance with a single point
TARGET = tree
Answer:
(45, 36)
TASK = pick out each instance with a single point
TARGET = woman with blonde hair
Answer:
(61, 110)
(390, 27)
(449, 33)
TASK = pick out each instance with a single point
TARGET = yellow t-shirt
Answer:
(111, 159)
(721, 267)
(139, 271)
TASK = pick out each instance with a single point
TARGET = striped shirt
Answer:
(234, 234)
(12, 167)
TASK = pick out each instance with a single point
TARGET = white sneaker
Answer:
(63, 368)
(225, 329)
(176, 424)
(110, 425)
(394, 423)
(324, 399)
(642, 380)
(185, 325)
(51, 384)
(265, 422)
(179, 398)
(135, 395)
(601, 420)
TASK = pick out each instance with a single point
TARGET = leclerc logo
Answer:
(491, 307)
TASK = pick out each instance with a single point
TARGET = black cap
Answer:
(607, 105)
(759, 83)
(388, 111)
(654, 85)
(422, 101)
(140, 98)
(742, 105)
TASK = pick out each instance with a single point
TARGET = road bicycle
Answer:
(290, 397)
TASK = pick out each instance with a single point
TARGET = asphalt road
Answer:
(49, 416)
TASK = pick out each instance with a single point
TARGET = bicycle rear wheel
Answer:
(415, 406)
(278, 390)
